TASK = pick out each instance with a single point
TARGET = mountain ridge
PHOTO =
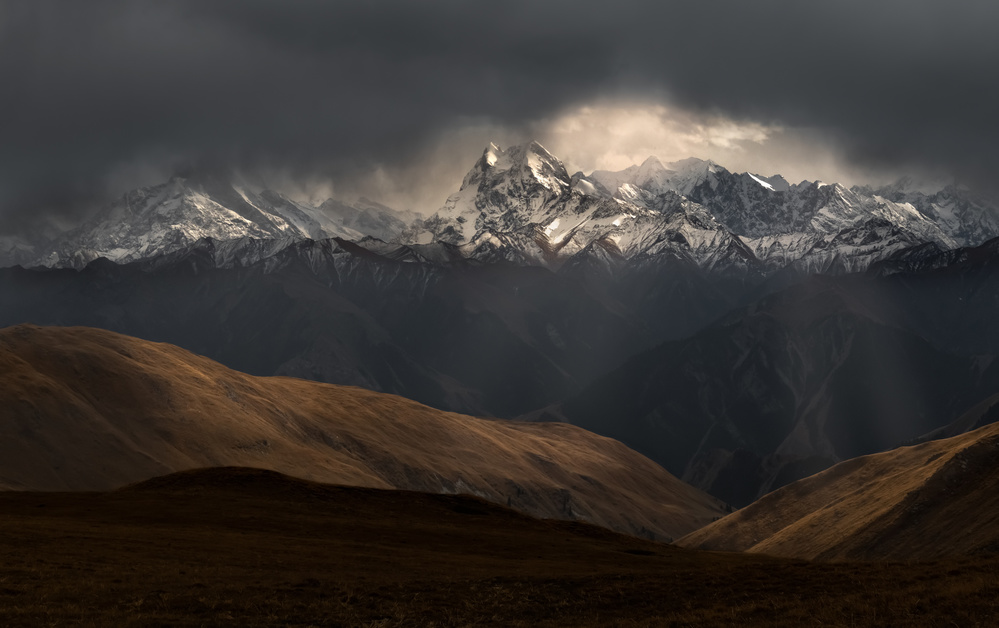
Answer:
(520, 205)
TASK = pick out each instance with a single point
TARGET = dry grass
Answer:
(85, 409)
(236, 549)
(929, 501)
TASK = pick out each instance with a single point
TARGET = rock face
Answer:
(521, 206)
(928, 501)
(89, 410)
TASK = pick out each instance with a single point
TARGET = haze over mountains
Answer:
(803, 323)
(823, 371)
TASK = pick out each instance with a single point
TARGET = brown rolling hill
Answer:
(244, 547)
(85, 409)
(939, 498)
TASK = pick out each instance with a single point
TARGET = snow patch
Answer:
(586, 188)
(760, 181)
(491, 157)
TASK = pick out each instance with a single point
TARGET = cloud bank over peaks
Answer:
(102, 91)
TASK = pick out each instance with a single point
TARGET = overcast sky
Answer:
(396, 99)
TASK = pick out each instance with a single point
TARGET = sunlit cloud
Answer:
(612, 136)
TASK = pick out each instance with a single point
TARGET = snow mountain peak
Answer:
(527, 162)
(689, 209)
(520, 205)
(158, 220)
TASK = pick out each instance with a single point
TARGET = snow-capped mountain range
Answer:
(695, 210)
(520, 205)
(154, 221)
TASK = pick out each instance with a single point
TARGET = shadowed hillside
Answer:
(85, 409)
(786, 387)
(244, 547)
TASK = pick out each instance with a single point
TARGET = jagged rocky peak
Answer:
(505, 190)
(520, 204)
(691, 208)
(529, 163)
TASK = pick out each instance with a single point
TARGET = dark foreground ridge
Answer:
(245, 547)
(245, 483)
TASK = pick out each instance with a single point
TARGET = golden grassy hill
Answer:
(936, 499)
(85, 409)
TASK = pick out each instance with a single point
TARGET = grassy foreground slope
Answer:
(85, 409)
(940, 498)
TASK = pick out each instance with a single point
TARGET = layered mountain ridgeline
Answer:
(914, 503)
(521, 205)
(829, 369)
(150, 222)
(494, 339)
(86, 409)
(530, 283)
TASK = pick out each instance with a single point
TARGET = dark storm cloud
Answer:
(310, 85)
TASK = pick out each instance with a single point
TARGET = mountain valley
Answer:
(770, 345)
(741, 330)
(522, 314)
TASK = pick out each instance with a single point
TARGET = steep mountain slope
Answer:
(522, 206)
(89, 409)
(968, 217)
(150, 222)
(759, 207)
(797, 381)
(936, 499)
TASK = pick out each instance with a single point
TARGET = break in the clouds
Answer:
(609, 135)
(101, 93)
